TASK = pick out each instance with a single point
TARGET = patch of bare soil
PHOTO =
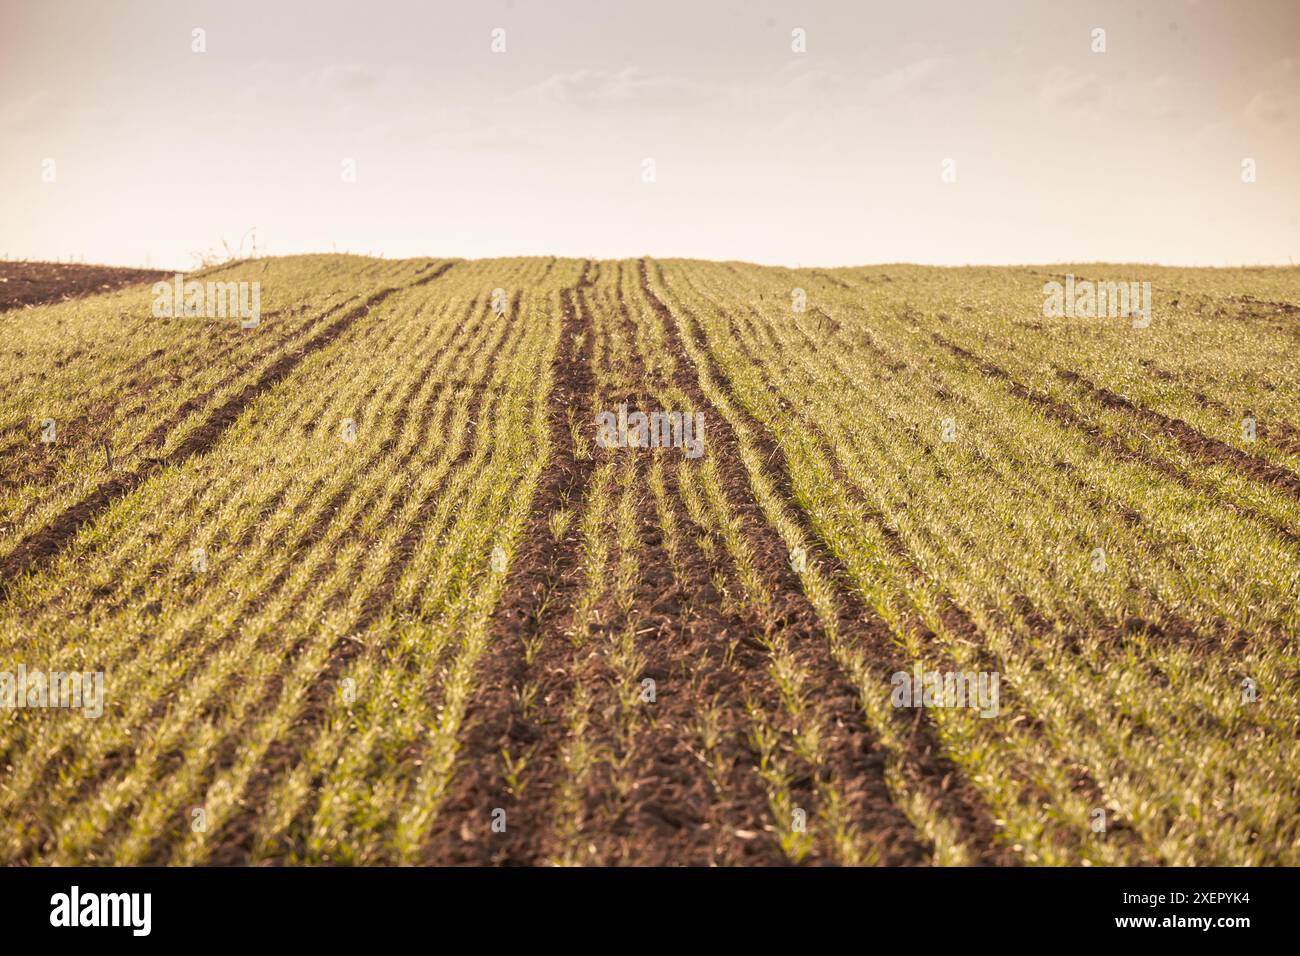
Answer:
(36, 283)
(543, 580)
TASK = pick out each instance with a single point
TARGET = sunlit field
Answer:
(654, 562)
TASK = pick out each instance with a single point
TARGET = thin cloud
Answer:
(913, 78)
(625, 88)
(1266, 107)
(1063, 88)
(342, 79)
(40, 111)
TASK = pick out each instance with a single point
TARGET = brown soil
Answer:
(857, 760)
(924, 760)
(676, 811)
(1209, 449)
(544, 577)
(35, 283)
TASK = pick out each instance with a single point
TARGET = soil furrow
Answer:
(924, 760)
(527, 646)
(692, 802)
(1208, 449)
(857, 759)
(1113, 444)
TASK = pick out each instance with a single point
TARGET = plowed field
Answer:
(370, 583)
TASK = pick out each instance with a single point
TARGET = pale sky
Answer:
(828, 157)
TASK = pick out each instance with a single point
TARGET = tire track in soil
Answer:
(59, 761)
(1178, 630)
(236, 833)
(664, 821)
(266, 510)
(1052, 408)
(87, 428)
(924, 760)
(226, 346)
(1212, 451)
(158, 566)
(304, 539)
(857, 759)
(544, 579)
(1281, 434)
(955, 618)
(220, 543)
(379, 600)
(675, 815)
(689, 649)
(958, 799)
(39, 547)
(158, 435)
(42, 545)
